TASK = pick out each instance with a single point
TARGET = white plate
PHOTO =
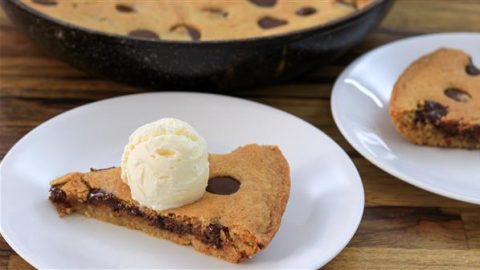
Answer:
(324, 210)
(360, 108)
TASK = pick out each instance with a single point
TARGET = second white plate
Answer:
(360, 108)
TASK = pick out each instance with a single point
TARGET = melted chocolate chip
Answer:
(46, 2)
(213, 235)
(98, 196)
(216, 11)
(264, 3)
(134, 211)
(125, 8)
(193, 32)
(223, 185)
(451, 128)
(431, 111)
(473, 132)
(143, 33)
(306, 11)
(171, 225)
(457, 94)
(471, 69)
(268, 22)
(57, 195)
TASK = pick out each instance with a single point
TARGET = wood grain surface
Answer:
(403, 227)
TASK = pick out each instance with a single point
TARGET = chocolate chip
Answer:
(57, 195)
(98, 196)
(212, 234)
(457, 94)
(223, 185)
(193, 32)
(268, 22)
(143, 33)
(471, 69)
(431, 111)
(305, 11)
(474, 132)
(134, 211)
(216, 11)
(46, 2)
(125, 8)
(264, 3)
(451, 128)
(172, 225)
(101, 197)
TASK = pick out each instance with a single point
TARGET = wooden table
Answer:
(403, 227)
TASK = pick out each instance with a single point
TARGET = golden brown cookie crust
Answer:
(252, 214)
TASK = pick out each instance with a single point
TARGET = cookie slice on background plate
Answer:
(360, 107)
(436, 101)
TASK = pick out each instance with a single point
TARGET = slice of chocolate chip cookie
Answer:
(236, 218)
(436, 101)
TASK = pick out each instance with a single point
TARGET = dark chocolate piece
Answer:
(143, 33)
(57, 195)
(98, 196)
(471, 69)
(431, 111)
(457, 94)
(264, 3)
(473, 132)
(125, 8)
(223, 185)
(451, 128)
(213, 236)
(193, 32)
(268, 22)
(306, 11)
(171, 225)
(46, 2)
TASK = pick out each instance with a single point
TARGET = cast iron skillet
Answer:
(201, 66)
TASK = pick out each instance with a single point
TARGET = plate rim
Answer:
(385, 167)
(354, 174)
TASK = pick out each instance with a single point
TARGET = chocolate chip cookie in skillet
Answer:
(197, 20)
(436, 101)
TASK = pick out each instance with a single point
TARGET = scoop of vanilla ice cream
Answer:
(165, 164)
